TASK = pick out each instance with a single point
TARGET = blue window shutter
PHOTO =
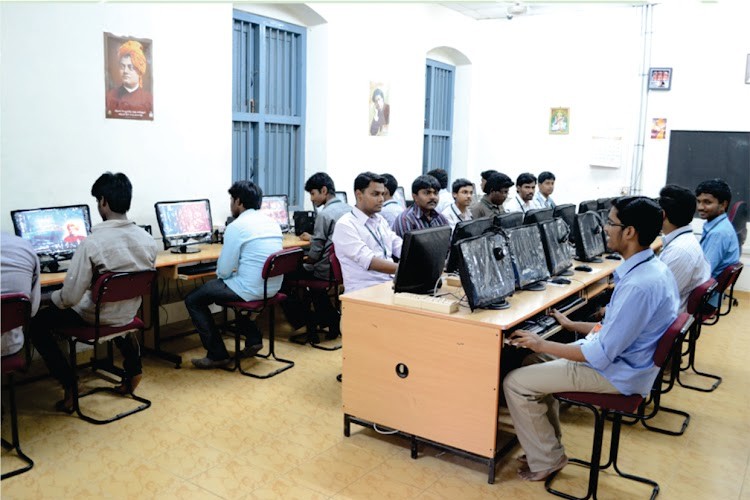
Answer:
(438, 121)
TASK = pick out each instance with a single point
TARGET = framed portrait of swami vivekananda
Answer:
(128, 78)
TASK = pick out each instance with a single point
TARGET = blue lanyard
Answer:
(378, 240)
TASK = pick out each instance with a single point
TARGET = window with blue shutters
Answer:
(268, 105)
(438, 116)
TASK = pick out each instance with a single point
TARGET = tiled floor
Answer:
(216, 434)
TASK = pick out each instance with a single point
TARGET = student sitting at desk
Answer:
(248, 241)
(524, 199)
(680, 251)
(115, 245)
(491, 204)
(322, 194)
(458, 211)
(19, 267)
(618, 359)
(391, 208)
(444, 196)
(545, 188)
(364, 244)
(422, 214)
(719, 240)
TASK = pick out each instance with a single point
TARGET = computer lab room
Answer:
(416, 392)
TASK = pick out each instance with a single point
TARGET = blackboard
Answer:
(696, 156)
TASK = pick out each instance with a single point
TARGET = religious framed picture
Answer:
(559, 121)
(660, 78)
(380, 108)
(128, 78)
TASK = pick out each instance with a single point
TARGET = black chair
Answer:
(16, 312)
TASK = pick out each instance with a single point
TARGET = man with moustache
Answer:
(524, 199)
(422, 214)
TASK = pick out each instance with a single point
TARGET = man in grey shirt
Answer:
(19, 266)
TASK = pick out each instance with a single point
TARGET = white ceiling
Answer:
(509, 10)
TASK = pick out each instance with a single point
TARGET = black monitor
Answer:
(54, 232)
(509, 220)
(605, 203)
(400, 197)
(537, 215)
(557, 250)
(464, 230)
(184, 223)
(422, 260)
(587, 229)
(603, 215)
(341, 195)
(588, 205)
(304, 221)
(529, 262)
(486, 270)
(567, 212)
(276, 206)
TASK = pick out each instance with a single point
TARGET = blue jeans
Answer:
(197, 303)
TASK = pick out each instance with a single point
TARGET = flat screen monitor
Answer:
(588, 237)
(557, 250)
(529, 261)
(605, 203)
(54, 232)
(567, 212)
(341, 195)
(486, 271)
(509, 220)
(184, 223)
(588, 205)
(537, 215)
(276, 206)
(400, 197)
(464, 230)
(603, 215)
(422, 260)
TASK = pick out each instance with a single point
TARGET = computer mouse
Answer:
(583, 267)
(613, 256)
(560, 281)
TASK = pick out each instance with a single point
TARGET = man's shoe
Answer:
(206, 363)
(250, 351)
(332, 335)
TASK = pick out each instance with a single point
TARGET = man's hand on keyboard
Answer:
(526, 339)
(562, 319)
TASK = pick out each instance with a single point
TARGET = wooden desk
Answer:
(450, 394)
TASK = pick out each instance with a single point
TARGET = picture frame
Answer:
(559, 121)
(660, 78)
(747, 70)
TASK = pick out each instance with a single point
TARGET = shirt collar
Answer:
(630, 263)
(674, 234)
(364, 219)
(710, 225)
(113, 223)
(390, 202)
(486, 201)
(331, 202)
(420, 214)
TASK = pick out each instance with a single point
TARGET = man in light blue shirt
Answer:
(616, 358)
(248, 241)
(719, 240)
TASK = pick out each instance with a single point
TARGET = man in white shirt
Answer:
(19, 267)
(463, 195)
(545, 187)
(392, 208)
(445, 196)
(523, 201)
(681, 251)
(363, 241)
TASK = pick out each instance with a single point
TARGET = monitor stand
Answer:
(52, 266)
(497, 306)
(537, 286)
(567, 272)
(595, 260)
(185, 249)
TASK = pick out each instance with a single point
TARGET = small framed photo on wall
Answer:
(660, 78)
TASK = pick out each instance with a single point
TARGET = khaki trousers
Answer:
(535, 412)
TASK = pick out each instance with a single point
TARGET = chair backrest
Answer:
(114, 287)
(338, 276)
(728, 277)
(674, 334)
(698, 298)
(16, 311)
(282, 262)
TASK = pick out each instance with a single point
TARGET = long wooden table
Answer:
(436, 377)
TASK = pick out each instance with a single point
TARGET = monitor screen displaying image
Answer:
(529, 262)
(183, 223)
(486, 271)
(556, 247)
(589, 241)
(276, 206)
(53, 231)
(422, 260)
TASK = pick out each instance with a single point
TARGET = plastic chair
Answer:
(277, 264)
(16, 312)
(109, 287)
(738, 216)
(617, 405)
(726, 281)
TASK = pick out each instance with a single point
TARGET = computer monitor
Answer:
(486, 270)
(557, 250)
(304, 221)
(588, 205)
(588, 230)
(529, 261)
(54, 232)
(400, 197)
(276, 206)
(567, 212)
(341, 195)
(603, 215)
(422, 259)
(184, 223)
(462, 231)
(605, 203)
(509, 220)
(537, 215)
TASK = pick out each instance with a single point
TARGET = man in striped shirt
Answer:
(681, 251)
(422, 214)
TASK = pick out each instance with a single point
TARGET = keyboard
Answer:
(200, 268)
(570, 304)
(541, 324)
(444, 304)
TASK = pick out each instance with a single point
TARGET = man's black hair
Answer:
(525, 178)
(496, 182)
(441, 175)
(116, 189)
(545, 176)
(425, 182)
(488, 173)
(365, 178)
(390, 183)
(678, 204)
(644, 214)
(249, 194)
(459, 183)
(718, 188)
(377, 93)
(318, 181)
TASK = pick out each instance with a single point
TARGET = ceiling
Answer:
(509, 10)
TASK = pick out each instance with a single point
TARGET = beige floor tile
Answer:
(325, 475)
(186, 490)
(234, 479)
(375, 486)
(284, 489)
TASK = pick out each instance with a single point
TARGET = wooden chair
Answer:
(109, 287)
(16, 312)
